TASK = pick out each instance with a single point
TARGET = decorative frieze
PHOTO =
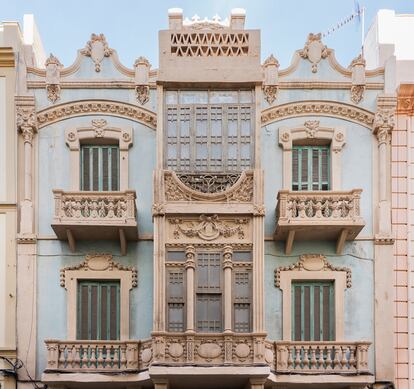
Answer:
(97, 48)
(209, 183)
(318, 108)
(102, 107)
(209, 228)
(313, 262)
(314, 51)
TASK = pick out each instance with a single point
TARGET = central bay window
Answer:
(214, 286)
(209, 131)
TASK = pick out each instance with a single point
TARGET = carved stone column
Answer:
(228, 269)
(190, 271)
(27, 125)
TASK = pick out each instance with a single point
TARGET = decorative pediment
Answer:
(313, 262)
(97, 48)
(314, 51)
(99, 262)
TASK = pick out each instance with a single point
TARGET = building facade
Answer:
(388, 44)
(218, 221)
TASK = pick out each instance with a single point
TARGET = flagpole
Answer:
(362, 30)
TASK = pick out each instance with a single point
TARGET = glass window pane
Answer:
(223, 97)
(193, 97)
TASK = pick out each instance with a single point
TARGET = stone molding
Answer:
(64, 111)
(313, 267)
(7, 57)
(318, 108)
(98, 267)
(310, 131)
(313, 262)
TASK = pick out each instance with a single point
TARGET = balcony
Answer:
(318, 215)
(169, 355)
(95, 215)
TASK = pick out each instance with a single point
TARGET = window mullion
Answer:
(91, 168)
(300, 150)
(311, 312)
(302, 313)
(321, 312)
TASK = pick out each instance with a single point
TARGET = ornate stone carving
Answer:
(311, 128)
(314, 50)
(99, 127)
(53, 92)
(175, 350)
(208, 228)
(53, 67)
(81, 108)
(142, 93)
(319, 108)
(384, 123)
(209, 183)
(97, 48)
(177, 188)
(270, 93)
(209, 350)
(99, 262)
(313, 262)
(357, 93)
(242, 351)
(26, 122)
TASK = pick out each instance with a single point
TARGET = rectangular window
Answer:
(313, 311)
(310, 168)
(175, 300)
(209, 131)
(209, 292)
(242, 314)
(98, 310)
(99, 168)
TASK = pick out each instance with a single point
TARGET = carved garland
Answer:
(318, 108)
(80, 108)
(209, 228)
(313, 262)
(99, 262)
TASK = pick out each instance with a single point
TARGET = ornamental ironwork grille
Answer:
(209, 131)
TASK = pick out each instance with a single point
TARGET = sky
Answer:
(131, 26)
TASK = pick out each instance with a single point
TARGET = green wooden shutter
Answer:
(310, 168)
(175, 298)
(98, 310)
(313, 311)
(100, 168)
(242, 291)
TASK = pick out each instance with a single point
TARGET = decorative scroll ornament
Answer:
(357, 93)
(314, 51)
(209, 228)
(313, 262)
(53, 67)
(209, 183)
(383, 124)
(99, 262)
(142, 93)
(311, 128)
(270, 93)
(99, 127)
(26, 122)
(97, 48)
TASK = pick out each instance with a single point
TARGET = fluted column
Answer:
(228, 269)
(190, 271)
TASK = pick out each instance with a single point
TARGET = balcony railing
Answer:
(318, 215)
(95, 215)
(208, 349)
(322, 357)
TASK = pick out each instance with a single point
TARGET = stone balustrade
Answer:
(321, 357)
(318, 215)
(95, 215)
(208, 349)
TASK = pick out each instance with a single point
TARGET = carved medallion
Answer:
(314, 51)
(209, 351)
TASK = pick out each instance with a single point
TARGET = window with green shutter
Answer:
(313, 311)
(100, 167)
(98, 310)
(310, 168)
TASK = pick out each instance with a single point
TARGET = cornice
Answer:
(91, 107)
(7, 57)
(90, 84)
(307, 84)
(318, 108)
